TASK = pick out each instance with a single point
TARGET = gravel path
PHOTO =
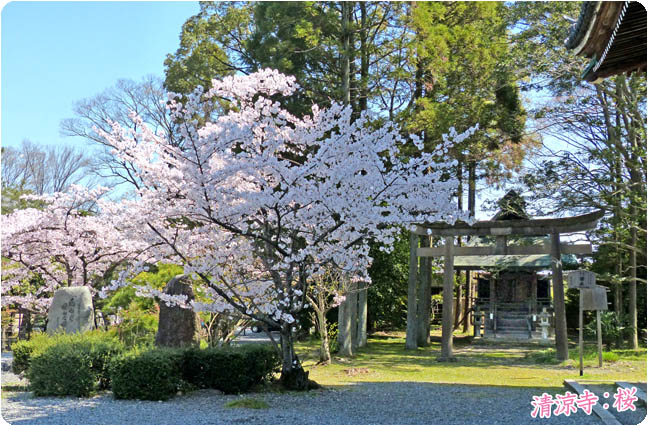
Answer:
(362, 403)
(365, 403)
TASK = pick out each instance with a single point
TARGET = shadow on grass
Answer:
(386, 354)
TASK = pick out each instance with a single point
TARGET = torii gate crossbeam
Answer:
(501, 229)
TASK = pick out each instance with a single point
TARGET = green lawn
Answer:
(386, 360)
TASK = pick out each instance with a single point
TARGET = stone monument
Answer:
(178, 326)
(71, 311)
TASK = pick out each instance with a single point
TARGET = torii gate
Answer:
(501, 230)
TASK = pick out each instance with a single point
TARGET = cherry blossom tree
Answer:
(257, 201)
(63, 244)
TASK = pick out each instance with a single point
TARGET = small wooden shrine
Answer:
(511, 296)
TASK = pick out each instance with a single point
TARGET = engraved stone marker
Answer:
(178, 326)
(71, 311)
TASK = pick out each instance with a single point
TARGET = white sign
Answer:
(581, 279)
(595, 299)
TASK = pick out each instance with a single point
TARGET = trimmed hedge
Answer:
(75, 364)
(263, 361)
(232, 369)
(79, 364)
(154, 374)
(157, 374)
(62, 369)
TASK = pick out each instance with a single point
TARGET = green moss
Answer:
(256, 404)
(14, 388)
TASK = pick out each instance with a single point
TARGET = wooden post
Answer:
(448, 284)
(466, 317)
(457, 307)
(492, 300)
(534, 293)
(559, 299)
(580, 328)
(362, 317)
(500, 244)
(424, 297)
(599, 338)
(411, 334)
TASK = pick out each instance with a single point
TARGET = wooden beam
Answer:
(514, 227)
(448, 293)
(458, 251)
(510, 250)
(558, 299)
(411, 335)
(424, 297)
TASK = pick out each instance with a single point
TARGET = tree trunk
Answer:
(472, 206)
(638, 184)
(344, 329)
(562, 352)
(460, 192)
(95, 315)
(460, 184)
(324, 352)
(632, 290)
(346, 89)
(25, 326)
(364, 59)
(362, 318)
(472, 187)
(293, 376)
(618, 288)
(353, 72)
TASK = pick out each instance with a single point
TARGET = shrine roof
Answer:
(613, 35)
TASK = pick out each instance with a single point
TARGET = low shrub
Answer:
(154, 374)
(610, 357)
(24, 350)
(232, 369)
(75, 364)
(137, 327)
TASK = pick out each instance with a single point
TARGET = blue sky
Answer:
(55, 53)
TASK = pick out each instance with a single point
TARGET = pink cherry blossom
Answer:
(63, 244)
(254, 202)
